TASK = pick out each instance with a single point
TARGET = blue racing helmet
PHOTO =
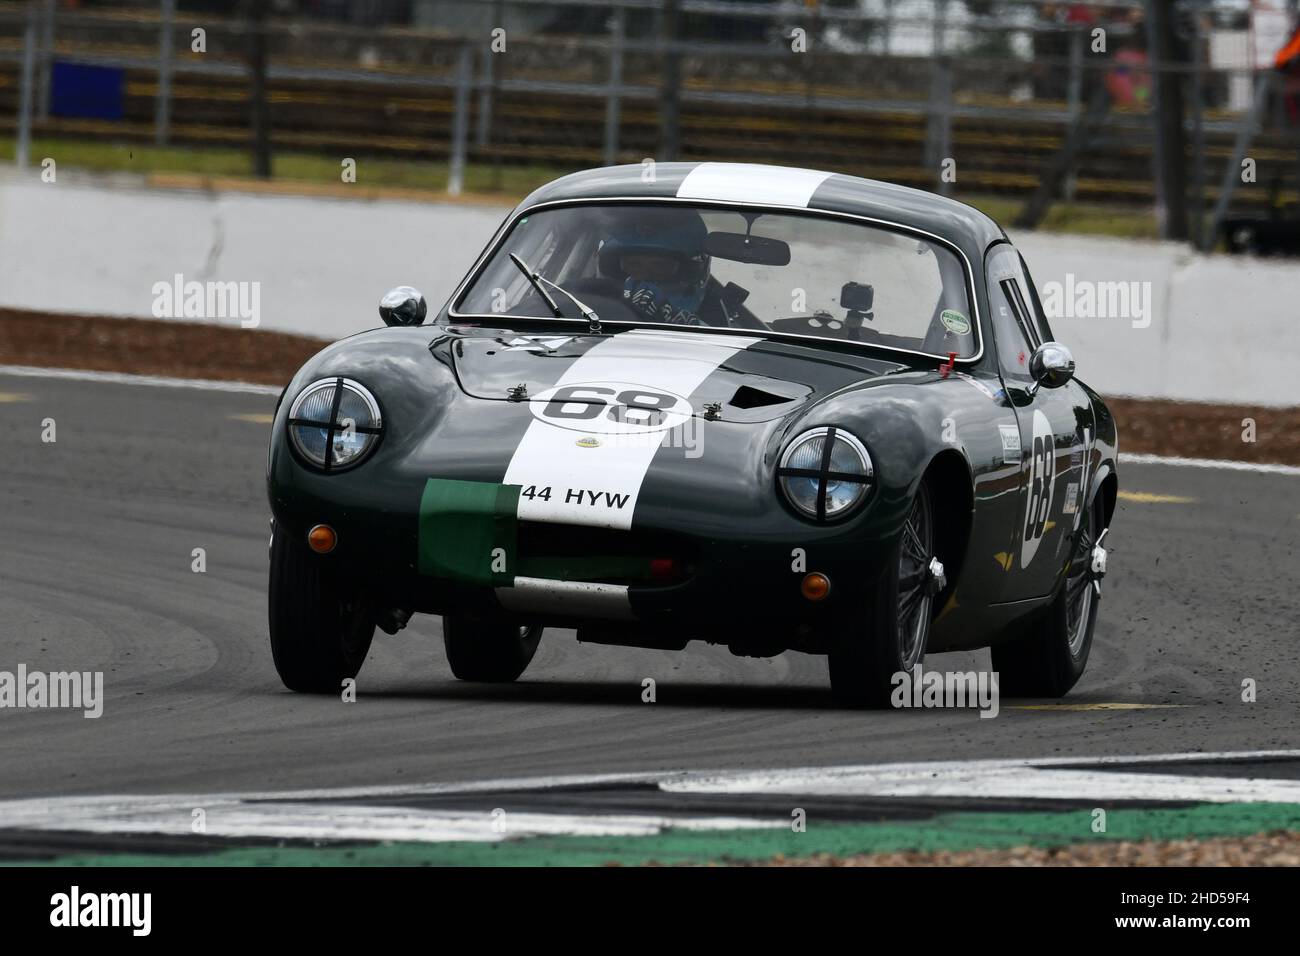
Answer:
(676, 234)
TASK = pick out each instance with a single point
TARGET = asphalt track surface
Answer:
(98, 530)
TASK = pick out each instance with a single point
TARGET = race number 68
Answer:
(633, 406)
(1044, 462)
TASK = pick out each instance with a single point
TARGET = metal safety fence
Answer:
(1176, 108)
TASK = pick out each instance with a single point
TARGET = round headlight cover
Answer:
(334, 423)
(825, 473)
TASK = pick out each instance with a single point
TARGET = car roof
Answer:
(960, 224)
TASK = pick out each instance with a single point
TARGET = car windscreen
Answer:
(678, 264)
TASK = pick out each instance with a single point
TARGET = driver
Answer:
(660, 257)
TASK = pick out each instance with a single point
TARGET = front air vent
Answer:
(749, 397)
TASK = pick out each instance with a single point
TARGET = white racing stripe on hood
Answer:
(598, 484)
(748, 182)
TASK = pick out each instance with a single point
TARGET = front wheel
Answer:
(488, 651)
(863, 666)
(320, 628)
(1050, 658)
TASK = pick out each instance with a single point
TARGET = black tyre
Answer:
(488, 651)
(1050, 658)
(862, 666)
(320, 629)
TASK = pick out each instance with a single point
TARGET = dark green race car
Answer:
(770, 408)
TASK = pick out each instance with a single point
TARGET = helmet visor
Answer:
(650, 265)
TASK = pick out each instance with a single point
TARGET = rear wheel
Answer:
(1050, 658)
(863, 666)
(486, 650)
(320, 628)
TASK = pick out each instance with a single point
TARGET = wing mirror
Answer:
(403, 306)
(1051, 366)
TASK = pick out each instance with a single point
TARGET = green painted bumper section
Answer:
(947, 831)
(462, 526)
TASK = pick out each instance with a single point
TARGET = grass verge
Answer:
(231, 168)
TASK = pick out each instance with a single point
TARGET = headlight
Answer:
(825, 473)
(334, 423)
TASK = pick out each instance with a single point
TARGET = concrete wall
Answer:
(1215, 328)
(1221, 328)
(322, 264)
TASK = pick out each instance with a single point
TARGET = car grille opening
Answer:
(564, 552)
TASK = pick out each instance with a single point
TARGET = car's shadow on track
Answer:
(617, 693)
(606, 693)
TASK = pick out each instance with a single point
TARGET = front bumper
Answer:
(681, 577)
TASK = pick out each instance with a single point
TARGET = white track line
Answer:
(1040, 778)
(1005, 781)
(1036, 779)
(122, 378)
(174, 816)
(316, 814)
(1128, 458)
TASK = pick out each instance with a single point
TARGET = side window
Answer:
(1036, 306)
(1016, 332)
(1014, 293)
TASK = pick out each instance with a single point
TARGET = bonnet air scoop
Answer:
(747, 396)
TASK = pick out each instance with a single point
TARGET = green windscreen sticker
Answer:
(954, 321)
(469, 531)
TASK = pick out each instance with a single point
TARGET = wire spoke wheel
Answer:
(914, 598)
(1079, 593)
(896, 611)
(1051, 651)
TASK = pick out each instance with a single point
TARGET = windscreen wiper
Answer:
(536, 279)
